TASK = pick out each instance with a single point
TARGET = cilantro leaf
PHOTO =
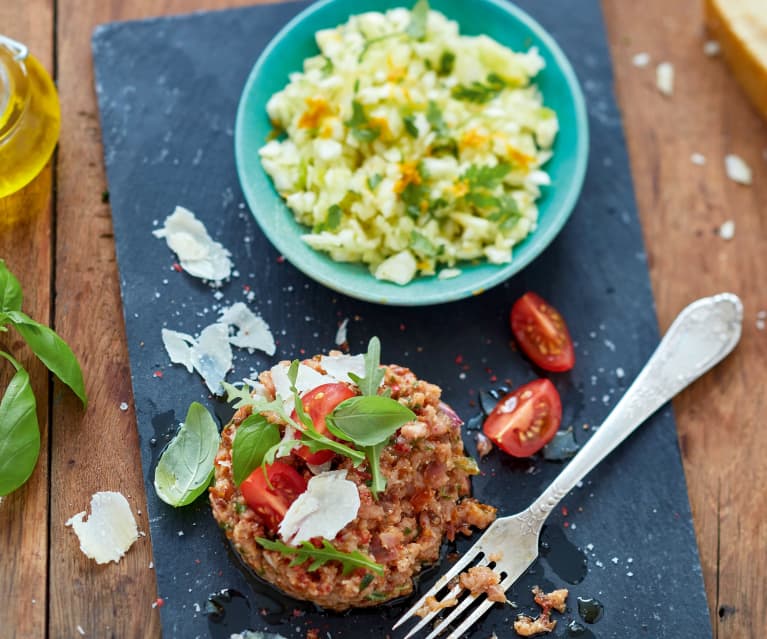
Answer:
(350, 561)
(410, 126)
(487, 177)
(422, 245)
(508, 213)
(374, 180)
(446, 63)
(478, 92)
(360, 125)
(332, 220)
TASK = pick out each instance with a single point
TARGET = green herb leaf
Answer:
(508, 213)
(19, 431)
(366, 580)
(52, 350)
(350, 561)
(446, 63)
(482, 200)
(238, 396)
(422, 245)
(410, 126)
(374, 374)
(479, 92)
(368, 420)
(374, 180)
(332, 220)
(434, 118)
(359, 124)
(418, 20)
(186, 466)
(255, 437)
(378, 481)
(328, 67)
(10, 290)
(486, 177)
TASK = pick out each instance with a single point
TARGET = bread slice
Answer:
(740, 26)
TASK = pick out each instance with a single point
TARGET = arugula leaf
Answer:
(10, 290)
(422, 245)
(237, 396)
(374, 374)
(478, 92)
(410, 126)
(19, 431)
(185, 468)
(374, 180)
(350, 561)
(446, 63)
(418, 20)
(52, 350)
(368, 420)
(255, 437)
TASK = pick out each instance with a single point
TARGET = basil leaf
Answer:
(419, 17)
(374, 374)
(253, 440)
(52, 350)
(369, 420)
(186, 465)
(19, 431)
(10, 290)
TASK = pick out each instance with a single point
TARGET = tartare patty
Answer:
(426, 500)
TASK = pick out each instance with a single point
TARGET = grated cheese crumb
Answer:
(711, 48)
(641, 59)
(664, 78)
(449, 273)
(737, 169)
(727, 230)
(698, 158)
(341, 337)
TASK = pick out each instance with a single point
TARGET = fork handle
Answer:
(701, 336)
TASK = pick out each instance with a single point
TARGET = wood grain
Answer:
(681, 205)
(720, 419)
(25, 244)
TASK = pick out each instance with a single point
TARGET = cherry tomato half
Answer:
(542, 333)
(271, 504)
(526, 419)
(318, 404)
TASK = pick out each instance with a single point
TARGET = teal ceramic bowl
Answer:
(498, 19)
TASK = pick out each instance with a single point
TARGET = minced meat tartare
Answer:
(401, 528)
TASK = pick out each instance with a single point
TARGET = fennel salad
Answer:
(411, 148)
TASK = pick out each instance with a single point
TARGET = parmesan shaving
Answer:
(330, 502)
(306, 380)
(179, 347)
(252, 331)
(197, 253)
(339, 366)
(109, 531)
(212, 356)
(341, 337)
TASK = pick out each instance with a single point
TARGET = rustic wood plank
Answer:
(25, 245)
(682, 206)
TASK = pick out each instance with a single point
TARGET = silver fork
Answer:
(701, 336)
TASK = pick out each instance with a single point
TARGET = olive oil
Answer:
(30, 117)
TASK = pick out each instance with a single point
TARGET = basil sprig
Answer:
(350, 561)
(185, 468)
(19, 429)
(370, 420)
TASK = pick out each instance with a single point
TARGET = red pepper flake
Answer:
(402, 327)
(280, 259)
(177, 267)
(566, 524)
(158, 603)
(459, 359)
(493, 378)
(302, 351)
(298, 612)
(246, 288)
(564, 511)
(157, 374)
(197, 561)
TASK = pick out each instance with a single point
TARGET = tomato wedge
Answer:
(318, 404)
(542, 334)
(271, 504)
(526, 419)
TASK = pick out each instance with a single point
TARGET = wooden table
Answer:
(56, 235)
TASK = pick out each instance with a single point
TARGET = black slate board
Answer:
(168, 90)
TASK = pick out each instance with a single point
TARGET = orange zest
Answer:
(410, 175)
(317, 109)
